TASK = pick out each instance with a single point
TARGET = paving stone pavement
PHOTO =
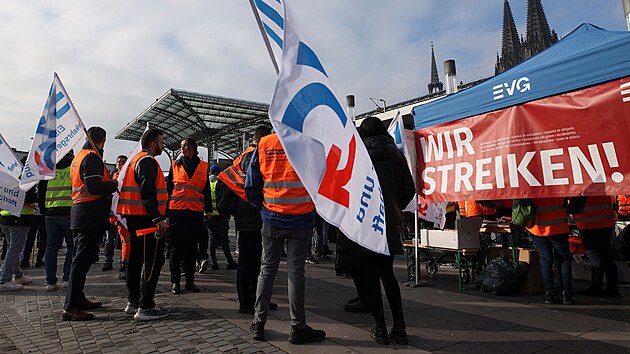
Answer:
(439, 319)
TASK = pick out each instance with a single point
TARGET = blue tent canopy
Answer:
(587, 56)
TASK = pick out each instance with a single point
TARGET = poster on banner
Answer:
(321, 142)
(58, 130)
(11, 196)
(565, 145)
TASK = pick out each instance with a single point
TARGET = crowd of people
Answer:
(185, 217)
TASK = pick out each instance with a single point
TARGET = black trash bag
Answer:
(502, 276)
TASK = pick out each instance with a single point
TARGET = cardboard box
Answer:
(532, 284)
(494, 252)
(466, 236)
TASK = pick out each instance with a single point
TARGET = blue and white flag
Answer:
(58, 130)
(405, 142)
(11, 196)
(320, 141)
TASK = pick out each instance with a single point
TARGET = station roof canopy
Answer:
(211, 120)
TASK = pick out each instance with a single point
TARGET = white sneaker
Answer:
(203, 266)
(131, 308)
(52, 287)
(23, 280)
(150, 314)
(64, 284)
(10, 286)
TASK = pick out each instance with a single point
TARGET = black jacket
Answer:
(93, 215)
(396, 184)
(43, 186)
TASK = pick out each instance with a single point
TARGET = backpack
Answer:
(523, 212)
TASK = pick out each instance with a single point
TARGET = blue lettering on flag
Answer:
(306, 56)
(60, 96)
(62, 111)
(308, 98)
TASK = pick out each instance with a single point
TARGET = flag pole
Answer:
(265, 38)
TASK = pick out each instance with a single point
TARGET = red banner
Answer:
(565, 145)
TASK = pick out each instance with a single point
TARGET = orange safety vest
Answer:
(80, 192)
(283, 192)
(474, 208)
(188, 192)
(624, 204)
(234, 176)
(462, 208)
(130, 200)
(551, 217)
(598, 213)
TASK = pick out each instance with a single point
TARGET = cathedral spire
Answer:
(538, 35)
(511, 51)
(435, 83)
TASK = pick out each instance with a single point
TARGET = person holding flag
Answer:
(142, 203)
(288, 214)
(91, 201)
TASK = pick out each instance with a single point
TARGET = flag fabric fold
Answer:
(320, 141)
(58, 130)
(11, 196)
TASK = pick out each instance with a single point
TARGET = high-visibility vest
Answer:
(213, 189)
(624, 204)
(598, 212)
(234, 176)
(130, 200)
(283, 192)
(59, 190)
(27, 209)
(551, 217)
(80, 192)
(462, 208)
(188, 192)
(474, 208)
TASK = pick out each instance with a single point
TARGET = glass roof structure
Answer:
(216, 122)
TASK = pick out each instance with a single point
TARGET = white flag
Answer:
(59, 129)
(405, 142)
(433, 212)
(320, 141)
(121, 176)
(11, 196)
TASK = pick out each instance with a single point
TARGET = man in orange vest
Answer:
(189, 189)
(288, 214)
(595, 218)
(231, 200)
(89, 214)
(143, 200)
(550, 232)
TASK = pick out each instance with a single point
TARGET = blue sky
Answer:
(116, 57)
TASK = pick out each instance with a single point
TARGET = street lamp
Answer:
(377, 105)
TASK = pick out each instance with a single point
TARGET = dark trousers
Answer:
(250, 251)
(146, 259)
(601, 253)
(546, 246)
(219, 227)
(177, 254)
(202, 246)
(37, 230)
(84, 243)
(380, 269)
(358, 277)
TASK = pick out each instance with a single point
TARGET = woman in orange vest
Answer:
(623, 204)
(190, 195)
(550, 232)
(595, 218)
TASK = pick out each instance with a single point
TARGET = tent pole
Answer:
(417, 283)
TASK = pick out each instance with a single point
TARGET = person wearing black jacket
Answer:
(398, 189)
(89, 219)
(55, 204)
(187, 216)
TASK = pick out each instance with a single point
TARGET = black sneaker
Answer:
(311, 260)
(552, 298)
(258, 330)
(214, 266)
(323, 256)
(39, 263)
(357, 307)
(231, 265)
(306, 335)
(380, 335)
(569, 299)
(399, 335)
(107, 267)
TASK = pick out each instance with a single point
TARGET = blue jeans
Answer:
(219, 227)
(321, 235)
(16, 235)
(546, 245)
(58, 230)
(298, 242)
(110, 244)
